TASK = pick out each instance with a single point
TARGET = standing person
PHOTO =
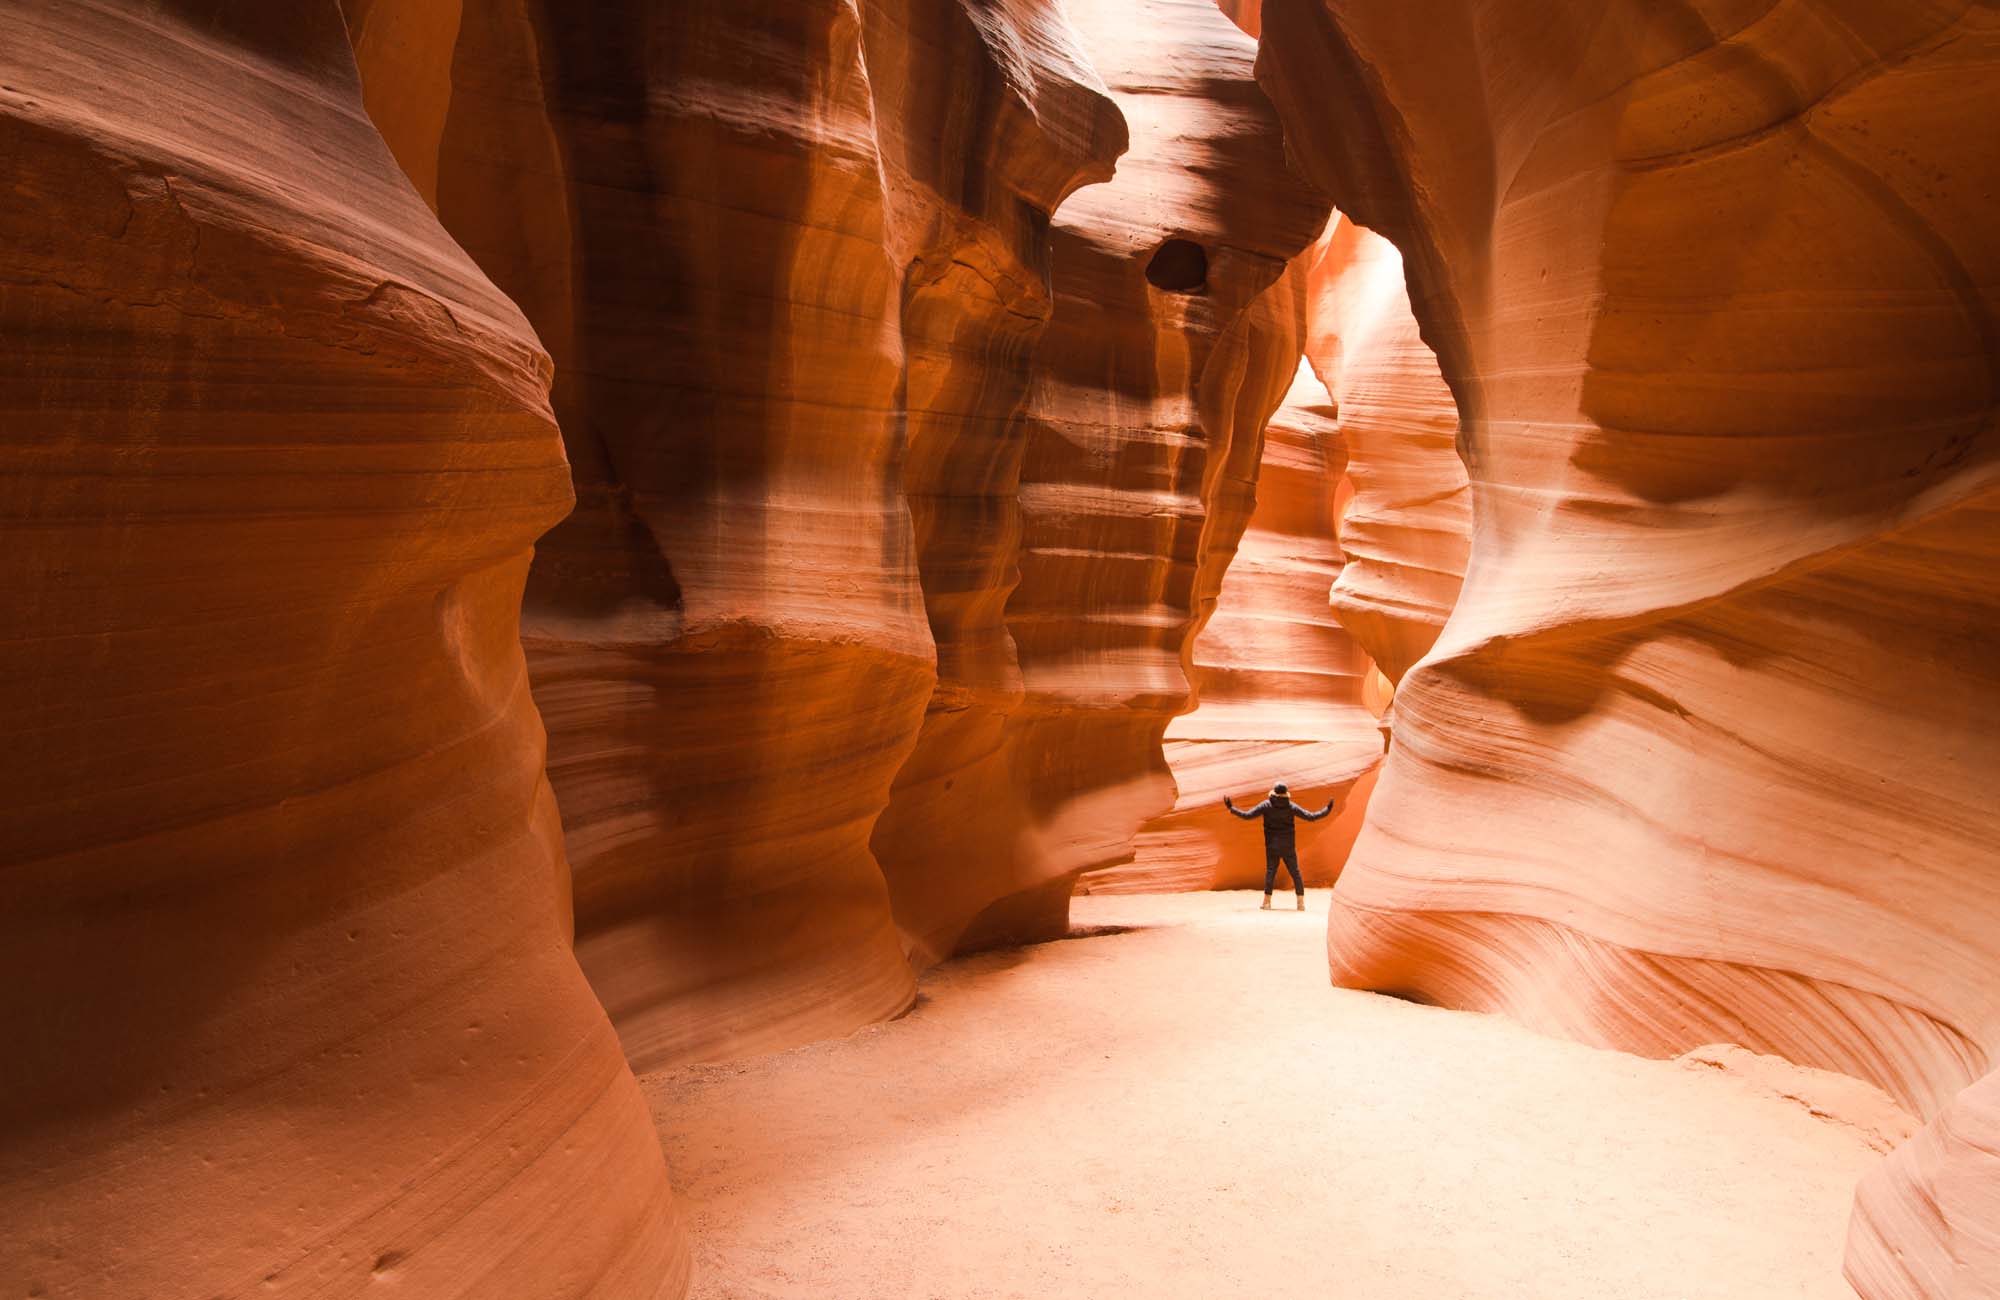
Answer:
(1280, 843)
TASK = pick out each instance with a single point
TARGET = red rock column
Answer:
(728, 637)
(791, 350)
(285, 975)
(1174, 337)
(979, 147)
(1707, 748)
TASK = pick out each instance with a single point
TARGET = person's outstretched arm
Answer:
(1245, 814)
(1315, 816)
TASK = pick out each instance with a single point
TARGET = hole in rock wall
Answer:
(1179, 266)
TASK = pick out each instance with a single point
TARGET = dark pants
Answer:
(1287, 854)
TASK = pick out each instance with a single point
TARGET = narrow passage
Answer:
(1186, 1111)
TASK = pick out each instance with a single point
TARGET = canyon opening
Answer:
(647, 646)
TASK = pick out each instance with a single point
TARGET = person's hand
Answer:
(1329, 808)
(1226, 803)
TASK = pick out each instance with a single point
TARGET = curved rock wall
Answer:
(1706, 748)
(727, 638)
(1407, 530)
(790, 260)
(1279, 683)
(1246, 14)
(285, 975)
(1926, 1222)
(1173, 337)
(972, 204)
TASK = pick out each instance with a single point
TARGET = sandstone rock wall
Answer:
(972, 205)
(1926, 1223)
(1705, 750)
(1174, 335)
(1280, 684)
(1406, 532)
(1246, 14)
(1361, 490)
(790, 260)
(727, 636)
(285, 977)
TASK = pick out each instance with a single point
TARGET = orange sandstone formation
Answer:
(727, 638)
(1279, 683)
(1406, 532)
(1172, 339)
(1706, 750)
(978, 154)
(285, 975)
(790, 260)
(1284, 692)
(1247, 14)
(1926, 1222)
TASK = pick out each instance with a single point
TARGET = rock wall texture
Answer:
(285, 976)
(1706, 749)
(1176, 326)
(1279, 682)
(790, 260)
(976, 298)
(1246, 14)
(1407, 531)
(1926, 1224)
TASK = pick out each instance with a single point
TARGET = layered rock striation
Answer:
(1280, 685)
(1705, 750)
(285, 974)
(971, 208)
(1406, 531)
(1926, 1223)
(1176, 326)
(727, 637)
(790, 260)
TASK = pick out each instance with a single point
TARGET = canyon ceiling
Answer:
(549, 540)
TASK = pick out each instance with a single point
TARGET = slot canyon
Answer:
(628, 624)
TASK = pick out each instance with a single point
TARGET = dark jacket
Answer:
(1277, 814)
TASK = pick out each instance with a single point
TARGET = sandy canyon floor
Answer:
(1185, 1109)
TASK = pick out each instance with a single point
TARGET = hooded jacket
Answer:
(1278, 812)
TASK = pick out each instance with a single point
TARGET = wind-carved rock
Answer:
(981, 150)
(285, 976)
(1281, 685)
(1406, 531)
(727, 638)
(1706, 749)
(1173, 337)
(790, 260)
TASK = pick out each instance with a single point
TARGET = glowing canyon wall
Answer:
(1406, 532)
(1706, 748)
(1280, 685)
(285, 976)
(1352, 561)
(790, 260)
(899, 499)
(1178, 318)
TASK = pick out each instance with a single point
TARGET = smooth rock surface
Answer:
(1406, 533)
(1177, 324)
(285, 978)
(1927, 1222)
(1706, 749)
(973, 207)
(1279, 684)
(790, 259)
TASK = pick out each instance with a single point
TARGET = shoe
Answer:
(1266, 907)
(1302, 902)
